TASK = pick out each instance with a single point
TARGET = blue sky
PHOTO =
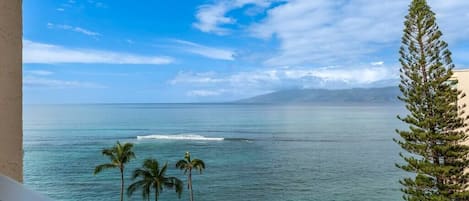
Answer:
(102, 51)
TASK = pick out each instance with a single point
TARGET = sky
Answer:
(165, 51)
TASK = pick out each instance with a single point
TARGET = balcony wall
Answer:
(11, 131)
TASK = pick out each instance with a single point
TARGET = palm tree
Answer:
(187, 165)
(151, 176)
(119, 155)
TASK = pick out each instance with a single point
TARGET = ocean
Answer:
(252, 151)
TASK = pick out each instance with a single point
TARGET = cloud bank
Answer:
(34, 52)
(325, 32)
(273, 79)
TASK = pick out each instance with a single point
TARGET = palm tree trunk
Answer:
(122, 184)
(190, 186)
(156, 195)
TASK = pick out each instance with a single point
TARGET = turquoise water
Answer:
(275, 153)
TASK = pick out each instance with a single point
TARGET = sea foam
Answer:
(179, 137)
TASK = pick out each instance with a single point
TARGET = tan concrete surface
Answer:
(11, 131)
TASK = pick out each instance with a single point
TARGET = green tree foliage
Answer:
(435, 154)
(153, 177)
(187, 164)
(119, 155)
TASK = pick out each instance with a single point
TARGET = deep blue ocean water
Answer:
(268, 152)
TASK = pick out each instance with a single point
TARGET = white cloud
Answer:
(377, 63)
(196, 78)
(60, 9)
(357, 76)
(38, 72)
(40, 79)
(325, 32)
(330, 32)
(299, 77)
(209, 52)
(72, 28)
(250, 83)
(86, 32)
(453, 18)
(358, 38)
(34, 52)
(211, 17)
(39, 82)
(205, 93)
(256, 79)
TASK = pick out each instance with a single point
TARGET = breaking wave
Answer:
(180, 137)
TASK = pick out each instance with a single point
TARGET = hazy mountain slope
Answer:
(356, 95)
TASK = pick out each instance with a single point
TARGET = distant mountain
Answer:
(355, 95)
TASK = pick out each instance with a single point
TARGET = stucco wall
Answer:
(463, 84)
(11, 131)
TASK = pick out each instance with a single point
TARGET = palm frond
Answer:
(182, 164)
(150, 164)
(102, 167)
(152, 177)
(139, 172)
(108, 151)
(135, 186)
(174, 182)
(146, 191)
(198, 164)
(127, 153)
(118, 160)
(163, 170)
(127, 147)
(119, 154)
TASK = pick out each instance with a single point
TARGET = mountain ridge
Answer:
(353, 95)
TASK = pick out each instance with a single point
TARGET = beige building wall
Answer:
(463, 84)
(11, 131)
